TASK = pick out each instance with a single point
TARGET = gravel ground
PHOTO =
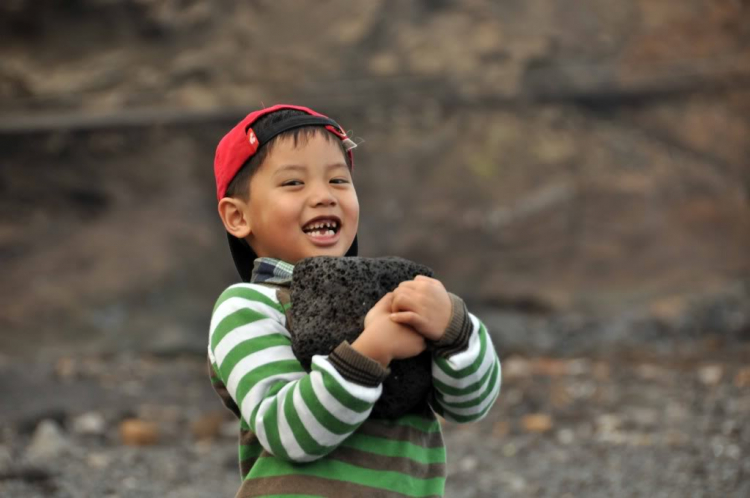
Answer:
(144, 426)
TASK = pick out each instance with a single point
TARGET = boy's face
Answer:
(302, 201)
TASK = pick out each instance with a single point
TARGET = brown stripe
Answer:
(222, 391)
(356, 367)
(285, 299)
(401, 433)
(372, 461)
(246, 466)
(309, 485)
(456, 337)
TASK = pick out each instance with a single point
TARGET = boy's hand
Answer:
(383, 339)
(424, 304)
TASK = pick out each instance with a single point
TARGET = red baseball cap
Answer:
(242, 143)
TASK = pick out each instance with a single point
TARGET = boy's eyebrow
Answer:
(299, 167)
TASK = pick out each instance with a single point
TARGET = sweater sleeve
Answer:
(466, 371)
(296, 416)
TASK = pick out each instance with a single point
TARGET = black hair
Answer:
(240, 184)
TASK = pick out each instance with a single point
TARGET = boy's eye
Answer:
(339, 180)
(291, 183)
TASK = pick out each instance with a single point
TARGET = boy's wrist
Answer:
(366, 347)
(357, 367)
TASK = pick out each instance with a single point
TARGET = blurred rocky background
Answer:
(578, 172)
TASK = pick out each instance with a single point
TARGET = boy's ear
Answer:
(235, 215)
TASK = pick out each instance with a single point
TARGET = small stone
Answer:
(537, 422)
(98, 460)
(469, 464)
(48, 442)
(136, 432)
(207, 426)
(89, 424)
(710, 375)
(65, 368)
(608, 423)
(565, 436)
(742, 379)
(550, 367)
(515, 366)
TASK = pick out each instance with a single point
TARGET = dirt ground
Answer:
(582, 426)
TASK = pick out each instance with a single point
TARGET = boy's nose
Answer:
(322, 196)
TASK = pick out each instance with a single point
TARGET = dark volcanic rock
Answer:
(330, 298)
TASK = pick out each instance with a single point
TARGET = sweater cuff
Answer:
(456, 337)
(356, 367)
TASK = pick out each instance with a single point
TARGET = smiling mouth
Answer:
(322, 227)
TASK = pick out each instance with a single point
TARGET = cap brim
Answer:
(244, 257)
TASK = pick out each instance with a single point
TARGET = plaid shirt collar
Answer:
(271, 271)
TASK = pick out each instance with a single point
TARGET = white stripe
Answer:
(465, 358)
(366, 394)
(320, 434)
(330, 403)
(211, 354)
(475, 410)
(259, 429)
(487, 362)
(292, 447)
(255, 360)
(269, 292)
(472, 395)
(258, 392)
(267, 326)
(236, 303)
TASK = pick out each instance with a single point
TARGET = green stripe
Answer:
(238, 318)
(380, 479)
(475, 401)
(308, 444)
(467, 418)
(246, 348)
(461, 391)
(270, 423)
(247, 293)
(342, 395)
(256, 375)
(446, 367)
(391, 448)
(321, 414)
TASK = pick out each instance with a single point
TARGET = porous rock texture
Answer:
(330, 298)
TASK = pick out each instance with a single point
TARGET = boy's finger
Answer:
(404, 302)
(408, 318)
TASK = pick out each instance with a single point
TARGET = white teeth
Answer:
(325, 224)
(322, 233)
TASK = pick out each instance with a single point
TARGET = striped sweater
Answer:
(308, 434)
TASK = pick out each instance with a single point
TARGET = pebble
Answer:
(710, 375)
(89, 424)
(537, 422)
(48, 442)
(515, 366)
(207, 426)
(565, 436)
(137, 432)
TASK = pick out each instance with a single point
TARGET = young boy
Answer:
(285, 193)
